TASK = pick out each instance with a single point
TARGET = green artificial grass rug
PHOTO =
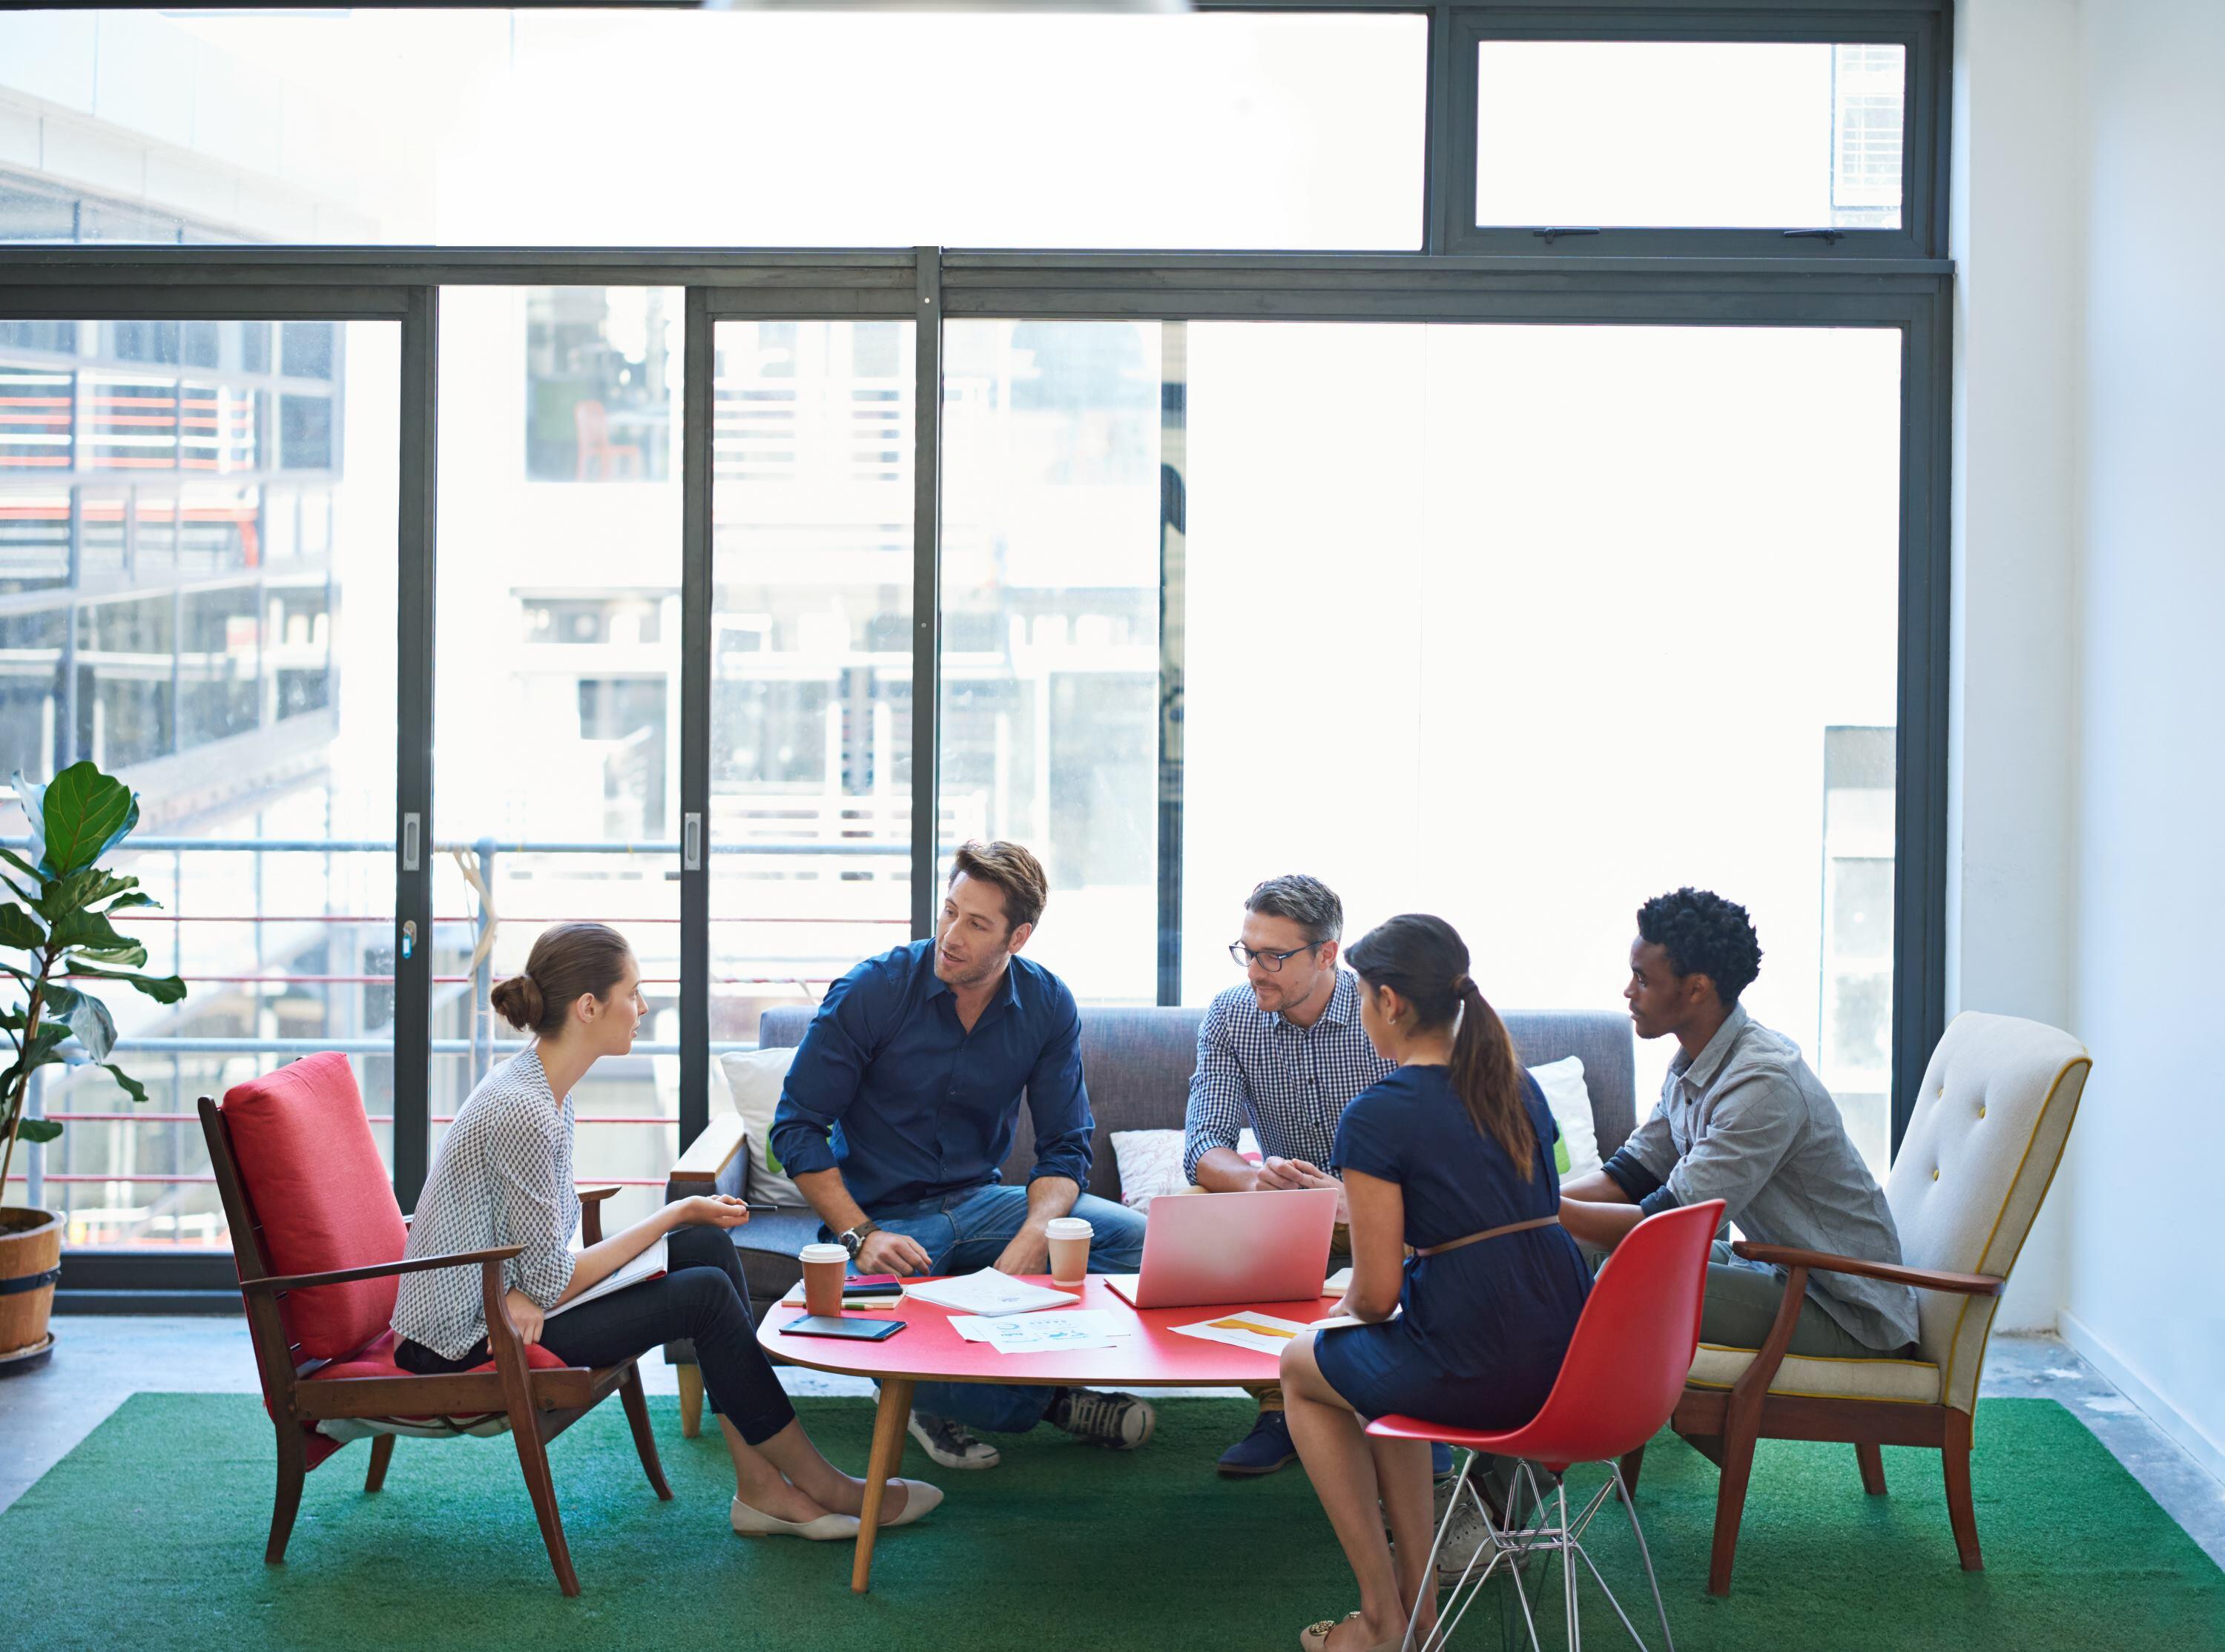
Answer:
(150, 1535)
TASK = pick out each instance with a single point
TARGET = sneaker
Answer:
(1441, 1461)
(951, 1443)
(1263, 1451)
(1467, 1532)
(1119, 1421)
(1462, 1539)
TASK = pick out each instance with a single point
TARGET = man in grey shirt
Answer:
(1743, 1119)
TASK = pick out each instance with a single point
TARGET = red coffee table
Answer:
(927, 1350)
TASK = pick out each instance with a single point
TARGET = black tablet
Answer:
(823, 1325)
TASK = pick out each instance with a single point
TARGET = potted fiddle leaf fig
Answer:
(56, 935)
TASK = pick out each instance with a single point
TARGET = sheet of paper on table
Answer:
(1262, 1334)
(1337, 1283)
(1093, 1322)
(1040, 1333)
(990, 1293)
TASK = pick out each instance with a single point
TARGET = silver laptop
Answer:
(1212, 1249)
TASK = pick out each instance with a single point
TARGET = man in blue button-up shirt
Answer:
(899, 1110)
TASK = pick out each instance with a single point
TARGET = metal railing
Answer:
(473, 987)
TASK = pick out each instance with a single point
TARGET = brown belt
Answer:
(1488, 1233)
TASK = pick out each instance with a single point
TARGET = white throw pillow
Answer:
(1562, 1081)
(754, 1077)
(1150, 1163)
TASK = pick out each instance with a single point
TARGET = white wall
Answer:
(2014, 236)
(2146, 1259)
(2088, 764)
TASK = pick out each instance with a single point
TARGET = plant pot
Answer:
(30, 1249)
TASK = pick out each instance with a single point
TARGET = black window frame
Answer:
(1921, 28)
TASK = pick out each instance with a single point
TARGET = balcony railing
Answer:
(463, 978)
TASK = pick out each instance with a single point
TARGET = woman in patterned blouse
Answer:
(503, 1176)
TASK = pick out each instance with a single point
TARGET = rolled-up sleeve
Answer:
(1750, 1127)
(822, 1081)
(530, 1207)
(1217, 1112)
(1058, 1101)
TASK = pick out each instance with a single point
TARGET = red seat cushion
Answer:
(314, 1181)
(377, 1360)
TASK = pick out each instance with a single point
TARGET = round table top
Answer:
(1152, 1356)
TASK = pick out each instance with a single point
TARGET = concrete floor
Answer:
(97, 1360)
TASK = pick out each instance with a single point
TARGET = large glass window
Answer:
(745, 128)
(1522, 625)
(216, 630)
(1706, 134)
(556, 723)
(1052, 503)
(811, 653)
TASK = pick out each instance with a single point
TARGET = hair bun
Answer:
(517, 1001)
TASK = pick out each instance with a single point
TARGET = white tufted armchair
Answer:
(1982, 1147)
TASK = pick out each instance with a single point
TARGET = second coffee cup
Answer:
(1069, 1249)
(824, 1266)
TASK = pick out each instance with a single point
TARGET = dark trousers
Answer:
(703, 1298)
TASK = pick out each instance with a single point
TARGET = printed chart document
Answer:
(1262, 1334)
(990, 1293)
(649, 1264)
(1089, 1327)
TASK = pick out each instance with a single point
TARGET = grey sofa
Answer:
(1138, 1064)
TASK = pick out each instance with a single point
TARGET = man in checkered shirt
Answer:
(1284, 1054)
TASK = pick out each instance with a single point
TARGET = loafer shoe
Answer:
(755, 1522)
(1265, 1449)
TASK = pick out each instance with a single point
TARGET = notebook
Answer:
(649, 1264)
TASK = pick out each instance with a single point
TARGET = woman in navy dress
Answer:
(1457, 1141)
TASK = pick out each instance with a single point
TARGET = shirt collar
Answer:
(1343, 1007)
(1699, 1071)
(935, 984)
(528, 1060)
(1343, 1000)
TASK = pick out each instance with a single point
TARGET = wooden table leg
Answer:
(881, 1465)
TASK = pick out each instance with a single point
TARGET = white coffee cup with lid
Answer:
(1069, 1249)
(824, 1266)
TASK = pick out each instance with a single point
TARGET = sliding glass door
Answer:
(197, 592)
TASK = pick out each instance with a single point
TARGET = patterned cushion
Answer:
(377, 1360)
(1913, 1381)
(1150, 1163)
(1576, 1153)
(321, 1195)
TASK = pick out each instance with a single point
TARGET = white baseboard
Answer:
(2183, 1431)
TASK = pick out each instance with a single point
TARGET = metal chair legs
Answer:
(1514, 1544)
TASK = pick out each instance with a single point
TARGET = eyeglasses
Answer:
(1272, 963)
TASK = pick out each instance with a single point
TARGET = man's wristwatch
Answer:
(854, 1240)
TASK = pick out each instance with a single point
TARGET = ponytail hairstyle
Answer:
(1424, 961)
(569, 959)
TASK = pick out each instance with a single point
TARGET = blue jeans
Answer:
(963, 1233)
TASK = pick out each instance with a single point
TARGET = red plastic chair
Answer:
(1622, 1378)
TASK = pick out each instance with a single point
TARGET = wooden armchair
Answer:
(318, 1239)
(1989, 1130)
